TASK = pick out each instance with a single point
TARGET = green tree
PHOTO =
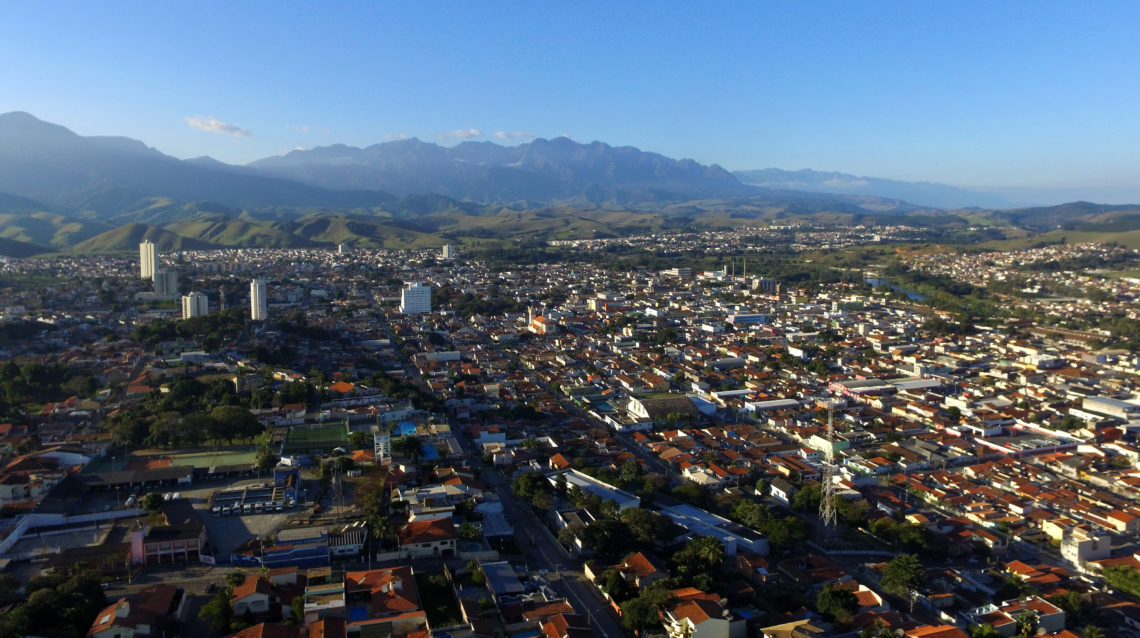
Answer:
(409, 446)
(640, 614)
(807, 497)
(266, 459)
(218, 613)
(699, 563)
(984, 631)
(230, 421)
(631, 471)
(901, 573)
(837, 603)
(153, 502)
(615, 585)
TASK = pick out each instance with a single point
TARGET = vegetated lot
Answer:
(439, 600)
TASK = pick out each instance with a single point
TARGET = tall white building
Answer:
(148, 259)
(415, 299)
(448, 252)
(195, 304)
(258, 300)
(165, 283)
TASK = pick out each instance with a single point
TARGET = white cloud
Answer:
(503, 135)
(396, 136)
(210, 125)
(462, 134)
(305, 128)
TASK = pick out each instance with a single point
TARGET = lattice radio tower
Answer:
(827, 492)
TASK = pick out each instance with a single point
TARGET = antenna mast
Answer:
(827, 493)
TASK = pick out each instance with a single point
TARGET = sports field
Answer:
(152, 459)
(314, 440)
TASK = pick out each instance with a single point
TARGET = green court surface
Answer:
(314, 440)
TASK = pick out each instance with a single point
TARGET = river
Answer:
(878, 281)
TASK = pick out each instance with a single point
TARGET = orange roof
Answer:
(342, 387)
(432, 531)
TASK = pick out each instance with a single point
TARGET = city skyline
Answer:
(971, 94)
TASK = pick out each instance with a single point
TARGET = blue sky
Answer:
(971, 93)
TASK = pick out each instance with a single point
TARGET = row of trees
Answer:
(138, 427)
(52, 605)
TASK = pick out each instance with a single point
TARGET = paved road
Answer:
(546, 553)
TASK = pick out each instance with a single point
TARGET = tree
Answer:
(808, 497)
(786, 532)
(639, 614)
(608, 538)
(698, 564)
(266, 459)
(153, 502)
(469, 531)
(231, 421)
(837, 603)
(631, 471)
(1123, 577)
(560, 485)
(903, 572)
(360, 441)
(409, 446)
(984, 631)
(615, 585)
(217, 613)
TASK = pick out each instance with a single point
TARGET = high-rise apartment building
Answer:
(165, 283)
(448, 252)
(148, 259)
(415, 299)
(258, 300)
(195, 304)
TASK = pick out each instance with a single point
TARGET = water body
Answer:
(877, 281)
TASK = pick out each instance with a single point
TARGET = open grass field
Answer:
(1128, 238)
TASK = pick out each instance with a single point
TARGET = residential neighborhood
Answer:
(406, 443)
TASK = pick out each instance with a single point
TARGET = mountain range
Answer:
(63, 191)
(929, 194)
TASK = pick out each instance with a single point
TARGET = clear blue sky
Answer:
(969, 93)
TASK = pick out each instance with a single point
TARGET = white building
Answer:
(258, 300)
(448, 252)
(195, 304)
(148, 259)
(415, 299)
(165, 283)
(382, 448)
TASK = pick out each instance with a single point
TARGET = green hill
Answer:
(129, 236)
(14, 248)
(48, 229)
(219, 230)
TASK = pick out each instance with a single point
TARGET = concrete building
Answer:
(258, 300)
(415, 299)
(447, 252)
(195, 304)
(165, 283)
(1080, 544)
(148, 259)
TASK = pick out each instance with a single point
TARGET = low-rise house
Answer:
(144, 614)
(254, 594)
(434, 537)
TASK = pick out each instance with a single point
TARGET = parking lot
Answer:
(228, 532)
(252, 499)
